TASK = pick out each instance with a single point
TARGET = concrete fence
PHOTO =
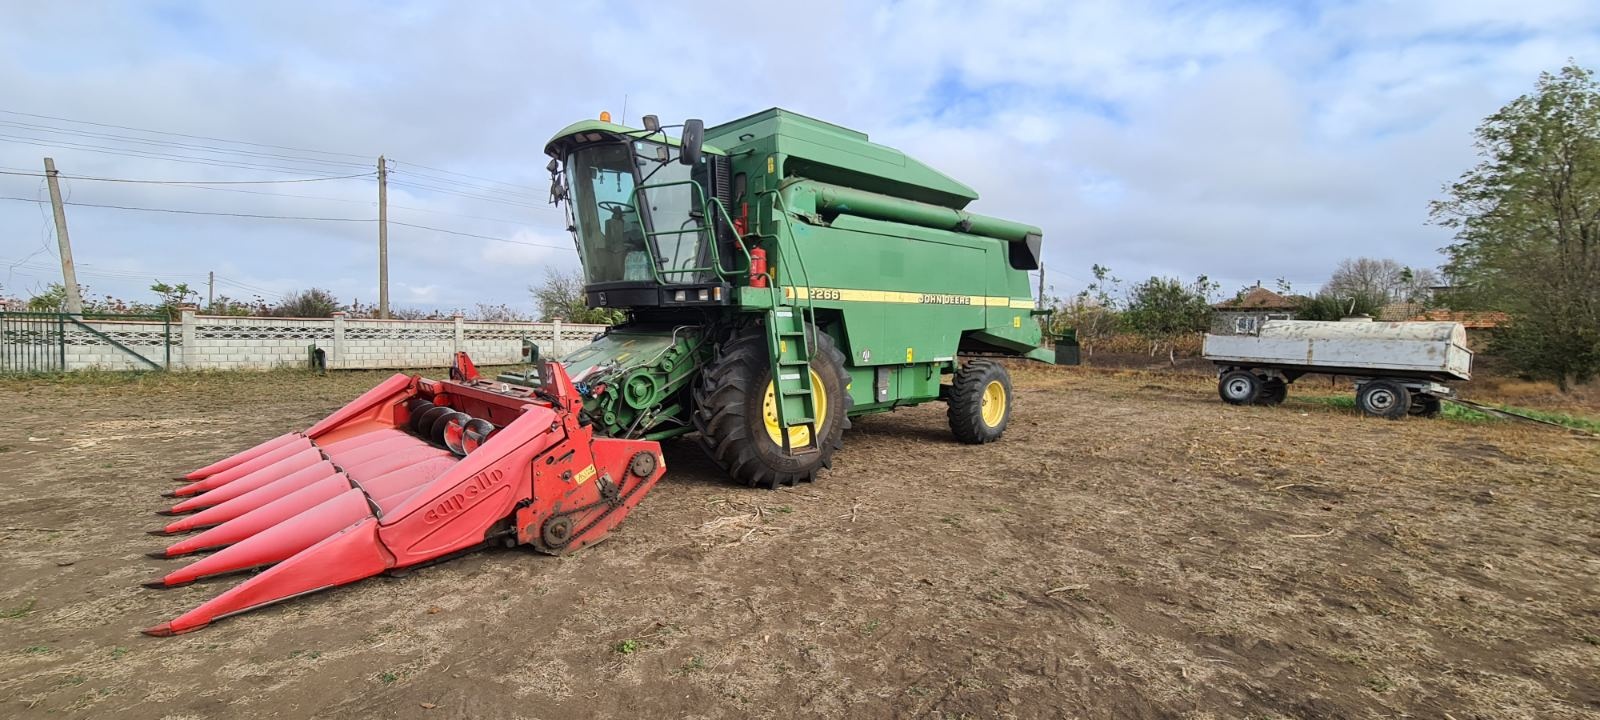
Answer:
(213, 342)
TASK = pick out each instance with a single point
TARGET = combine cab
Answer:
(780, 275)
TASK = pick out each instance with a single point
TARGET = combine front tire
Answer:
(733, 412)
(980, 402)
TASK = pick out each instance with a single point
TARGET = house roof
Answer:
(1259, 298)
(1399, 311)
(1471, 319)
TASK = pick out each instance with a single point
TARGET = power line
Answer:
(191, 182)
(151, 155)
(200, 212)
(31, 127)
(471, 196)
(296, 217)
(482, 237)
(174, 134)
(204, 185)
(517, 186)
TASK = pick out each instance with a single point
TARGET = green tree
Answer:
(561, 297)
(172, 297)
(309, 303)
(1162, 310)
(52, 299)
(1331, 305)
(1527, 226)
(1094, 313)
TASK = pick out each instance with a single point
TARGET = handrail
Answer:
(717, 209)
(805, 275)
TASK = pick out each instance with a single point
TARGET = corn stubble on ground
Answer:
(1132, 548)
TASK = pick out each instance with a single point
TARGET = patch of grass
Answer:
(952, 521)
(870, 627)
(307, 654)
(626, 647)
(1591, 639)
(6, 448)
(785, 509)
(1589, 424)
(118, 651)
(74, 680)
(20, 610)
(388, 677)
(1379, 683)
(695, 663)
(37, 650)
(1462, 413)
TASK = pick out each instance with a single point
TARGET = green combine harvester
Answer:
(781, 275)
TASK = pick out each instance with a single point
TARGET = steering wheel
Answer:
(615, 207)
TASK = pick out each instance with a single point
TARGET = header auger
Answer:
(779, 275)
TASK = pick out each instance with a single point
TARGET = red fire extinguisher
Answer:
(758, 267)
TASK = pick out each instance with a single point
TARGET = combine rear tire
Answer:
(1384, 398)
(980, 402)
(732, 407)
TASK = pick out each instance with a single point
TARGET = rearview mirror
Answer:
(694, 136)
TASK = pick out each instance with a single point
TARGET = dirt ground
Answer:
(1132, 548)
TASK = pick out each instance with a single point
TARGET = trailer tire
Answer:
(1425, 405)
(729, 412)
(1273, 392)
(980, 402)
(1383, 398)
(1240, 387)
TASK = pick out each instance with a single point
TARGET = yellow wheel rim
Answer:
(994, 403)
(799, 435)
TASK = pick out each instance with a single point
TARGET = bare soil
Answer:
(1132, 548)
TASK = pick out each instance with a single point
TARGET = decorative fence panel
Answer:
(211, 342)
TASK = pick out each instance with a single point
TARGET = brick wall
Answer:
(207, 342)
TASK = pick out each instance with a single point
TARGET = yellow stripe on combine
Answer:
(912, 298)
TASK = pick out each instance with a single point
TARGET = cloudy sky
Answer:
(1243, 140)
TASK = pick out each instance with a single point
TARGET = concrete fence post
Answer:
(461, 334)
(189, 354)
(555, 339)
(336, 355)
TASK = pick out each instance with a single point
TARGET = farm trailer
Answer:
(779, 275)
(1400, 368)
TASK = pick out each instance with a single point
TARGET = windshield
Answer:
(610, 239)
(611, 230)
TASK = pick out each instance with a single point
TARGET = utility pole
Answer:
(383, 238)
(69, 276)
(211, 289)
(1041, 284)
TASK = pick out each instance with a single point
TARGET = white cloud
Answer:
(1245, 141)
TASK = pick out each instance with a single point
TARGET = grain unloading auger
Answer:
(412, 471)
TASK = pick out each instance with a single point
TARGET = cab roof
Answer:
(597, 130)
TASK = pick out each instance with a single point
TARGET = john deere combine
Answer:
(779, 274)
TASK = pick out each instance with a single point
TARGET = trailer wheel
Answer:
(1273, 392)
(1240, 387)
(980, 402)
(732, 400)
(1384, 398)
(1428, 406)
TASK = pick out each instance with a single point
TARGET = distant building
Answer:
(1243, 315)
(1480, 324)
